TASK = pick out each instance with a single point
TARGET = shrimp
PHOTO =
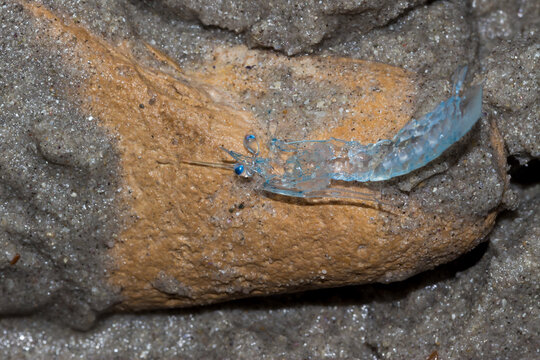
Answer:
(309, 168)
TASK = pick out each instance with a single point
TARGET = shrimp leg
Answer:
(307, 168)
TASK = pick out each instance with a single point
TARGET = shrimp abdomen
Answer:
(415, 146)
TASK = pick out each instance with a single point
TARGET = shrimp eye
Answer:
(239, 169)
(251, 144)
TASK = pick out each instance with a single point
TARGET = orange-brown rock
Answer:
(197, 235)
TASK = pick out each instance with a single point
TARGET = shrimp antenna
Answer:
(209, 164)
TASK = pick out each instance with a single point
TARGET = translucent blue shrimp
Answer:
(307, 168)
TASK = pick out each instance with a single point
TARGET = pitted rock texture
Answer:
(512, 83)
(502, 21)
(197, 235)
(292, 26)
(447, 310)
(58, 183)
(484, 305)
(499, 40)
(510, 60)
(432, 40)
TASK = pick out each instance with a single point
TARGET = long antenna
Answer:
(209, 164)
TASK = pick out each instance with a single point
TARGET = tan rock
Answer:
(197, 235)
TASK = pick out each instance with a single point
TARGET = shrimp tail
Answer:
(421, 141)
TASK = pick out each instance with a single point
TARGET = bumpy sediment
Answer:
(197, 235)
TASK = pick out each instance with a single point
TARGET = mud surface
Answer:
(290, 26)
(482, 306)
(57, 183)
(58, 171)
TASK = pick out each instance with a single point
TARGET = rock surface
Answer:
(58, 183)
(482, 306)
(61, 140)
(290, 26)
(194, 235)
(516, 104)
